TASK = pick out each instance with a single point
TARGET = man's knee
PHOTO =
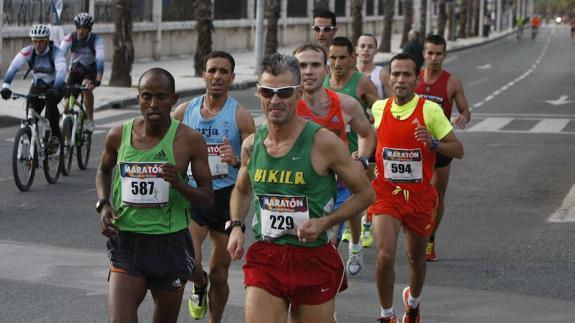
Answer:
(219, 275)
(385, 259)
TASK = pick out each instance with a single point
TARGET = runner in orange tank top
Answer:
(409, 130)
(443, 88)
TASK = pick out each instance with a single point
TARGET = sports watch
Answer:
(364, 162)
(101, 203)
(234, 223)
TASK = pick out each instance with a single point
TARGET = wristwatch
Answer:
(364, 162)
(101, 203)
(234, 223)
(434, 144)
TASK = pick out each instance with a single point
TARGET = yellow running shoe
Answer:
(366, 236)
(346, 236)
(198, 301)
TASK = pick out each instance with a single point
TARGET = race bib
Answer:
(281, 215)
(218, 168)
(402, 165)
(142, 186)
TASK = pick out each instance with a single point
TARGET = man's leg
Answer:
(125, 294)
(314, 313)
(168, 304)
(415, 252)
(386, 230)
(89, 104)
(261, 306)
(439, 180)
(197, 306)
(219, 266)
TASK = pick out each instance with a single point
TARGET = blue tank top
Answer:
(214, 130)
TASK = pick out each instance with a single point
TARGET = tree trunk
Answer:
(450, 21)
(475, 18)
(356, 20)
(407, 20)
(272, 14)
(470, 18)
(423, 18)
(204, 28)
(388, 7)
(441, 17)
(463, 19)
(123, 57)
(320, 5)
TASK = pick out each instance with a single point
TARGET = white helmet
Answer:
(40, 32)
(83, 19)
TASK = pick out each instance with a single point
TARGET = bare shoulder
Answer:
(180, 111)
(346, 100)
(327, 141)
(244, 118)
(114, 137)
(188, 136)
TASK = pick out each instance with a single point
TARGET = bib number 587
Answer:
(142, 188)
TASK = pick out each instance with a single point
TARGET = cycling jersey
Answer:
(89, 52)
(49, 67)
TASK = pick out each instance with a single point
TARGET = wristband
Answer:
(434, 144)
(238, 163)
(97, 83)
(232, 224)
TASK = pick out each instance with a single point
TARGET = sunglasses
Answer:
(325, 29)
(283, 92)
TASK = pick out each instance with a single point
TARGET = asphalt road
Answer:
(501, 258)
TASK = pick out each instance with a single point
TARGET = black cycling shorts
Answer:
(164, 260)
(217, 216)
(79, 73)
(441, 160)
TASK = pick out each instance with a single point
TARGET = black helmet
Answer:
(83, 19)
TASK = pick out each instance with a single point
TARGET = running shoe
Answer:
(366, 236)
(411, 314)
(354, 262)
(430, 251)
(198, 301)
(346, 236)
(89, 126)
(392, 319)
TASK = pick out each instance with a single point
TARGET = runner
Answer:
(146, 221)
(289, 164)
(345, 79)
(443, 88)
(334, 111)
(87, 66)
(224, 124)
(324, 27)
(409, 131)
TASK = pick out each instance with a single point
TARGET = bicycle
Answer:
(534, 33)
(74, 131)
(519, 33)
(33, 143)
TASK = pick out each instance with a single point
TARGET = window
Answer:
(178, 10)
(225, 9)
(369, 6)
(296, 8)
(340, 8)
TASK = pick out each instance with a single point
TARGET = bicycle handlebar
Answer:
(16, 96)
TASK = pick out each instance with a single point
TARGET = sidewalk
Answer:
(187, 84)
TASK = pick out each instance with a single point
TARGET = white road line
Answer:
(550, 125)
(566, 212)
(490, 124)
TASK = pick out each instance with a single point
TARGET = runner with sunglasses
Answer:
(289, 164)
(334, 111)
(324, 27)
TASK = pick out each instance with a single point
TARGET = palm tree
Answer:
(272, 15)
(463, 19)
(423, 18)
(204, 28)
(441, 17)
(320, 5)
(123, 56)
(451, 21)
(407, 20)
(388, 7)
(356, 19)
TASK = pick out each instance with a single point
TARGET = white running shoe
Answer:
(354, 262)
(89, 126)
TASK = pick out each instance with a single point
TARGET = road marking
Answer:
(550, 125)
(484, 67)
(490, 124)
(560, 101)
(566, 212)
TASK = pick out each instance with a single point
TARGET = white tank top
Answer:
(374, 77)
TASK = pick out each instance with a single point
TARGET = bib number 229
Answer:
(281, 222)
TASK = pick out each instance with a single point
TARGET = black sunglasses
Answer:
(325, 29)
(283, 92)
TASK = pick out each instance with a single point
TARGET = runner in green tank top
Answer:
(289, 164)
(149, 244)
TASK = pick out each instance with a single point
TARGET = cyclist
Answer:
(87, 62)
(48, 65)
(535, 23)
(519, 22)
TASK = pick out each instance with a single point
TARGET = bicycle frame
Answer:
(76, 112)
(31, 121)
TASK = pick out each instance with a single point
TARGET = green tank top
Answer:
(287, 190)
(350, 89)
(143, 201)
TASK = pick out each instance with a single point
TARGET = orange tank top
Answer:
(401, 160)
(333, 121)
(436, 91)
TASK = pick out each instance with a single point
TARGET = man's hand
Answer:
(6, 93)
(460, 121)
(423, 135)
(170, 174)
(88, 84)
(310, 230)
(227, 153)
(107, 218)
(236, 244)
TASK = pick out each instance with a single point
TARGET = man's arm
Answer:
(246, 126)
(180, 111)
(104, 180)
(359, 123)
(330, 153)
(367, 91)
(461, 102)
(241, 200)
(384, 79)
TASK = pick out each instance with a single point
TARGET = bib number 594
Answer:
(143, 188)
(400, 168)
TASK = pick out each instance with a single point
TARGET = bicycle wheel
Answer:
(23, 165)
(53, 159)
(68, 149)
(84, 147)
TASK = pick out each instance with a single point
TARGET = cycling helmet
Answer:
(40, 32)
(83, 19)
